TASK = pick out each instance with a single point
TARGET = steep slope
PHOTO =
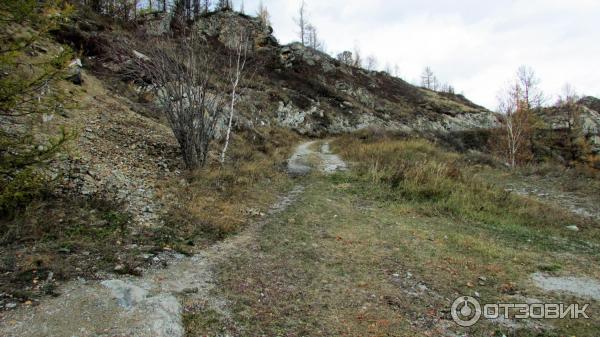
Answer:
(313, 93)
(298, 87)
(117, 193)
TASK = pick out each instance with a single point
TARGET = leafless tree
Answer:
(125, 10)
(263, 14)
(388, 69)
(428, 78)
(188, 9)
(371, 63)
(358, 62)
(312, 38)
(302, 22)
(181, 72)
(224, 4)
(396, 70)
(197, 8)
(533, 97)
(238, 53)
(345, 57)
(206, 4)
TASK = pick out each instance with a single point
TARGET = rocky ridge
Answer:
(298, 87)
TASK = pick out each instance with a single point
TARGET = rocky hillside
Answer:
(295, 86)
(591, 120)
(589, 115)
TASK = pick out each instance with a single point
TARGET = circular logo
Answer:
(466, 311)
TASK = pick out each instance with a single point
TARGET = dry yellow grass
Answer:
(221, 200)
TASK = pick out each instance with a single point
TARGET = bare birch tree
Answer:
(515, 124)
(181, 73)
(238, 55)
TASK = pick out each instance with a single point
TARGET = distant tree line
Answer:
(128, 10)
(430, 81)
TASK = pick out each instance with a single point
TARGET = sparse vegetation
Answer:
(384, 249)
(145, 187)
(218, 201)
(441, 183)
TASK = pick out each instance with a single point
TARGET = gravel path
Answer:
(150, 305)
(304, 158)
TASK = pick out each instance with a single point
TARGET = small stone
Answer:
(396, 275)
(11, 305)
(573, 228)
(119, 268)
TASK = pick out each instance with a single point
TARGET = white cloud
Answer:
(475, 45)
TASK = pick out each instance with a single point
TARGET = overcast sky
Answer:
(474, 45)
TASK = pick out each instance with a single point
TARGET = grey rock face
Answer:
(589, 121)
(347, 99)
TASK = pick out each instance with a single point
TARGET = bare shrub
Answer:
(181, 73)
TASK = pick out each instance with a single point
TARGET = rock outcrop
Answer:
(591, 121)
(319, 95)
(589, 115)
(299, 87)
